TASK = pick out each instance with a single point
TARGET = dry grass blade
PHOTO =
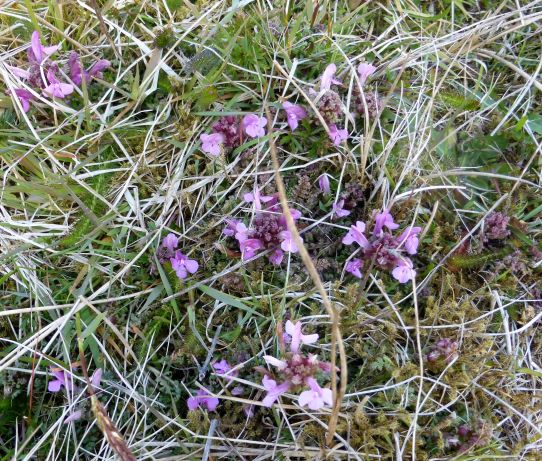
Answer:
(336, 337)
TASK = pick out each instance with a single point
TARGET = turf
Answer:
(445, 134)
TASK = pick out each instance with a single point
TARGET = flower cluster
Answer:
(180, 263)
(296, 372)
(444, 350)
(228, 132)
(44, 75)
(382, 248)
(496, 227)
(269, 230)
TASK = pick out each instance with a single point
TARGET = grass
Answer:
(92, 184)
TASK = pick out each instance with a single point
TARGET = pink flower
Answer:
(294, 113)
(276, 257)
(384, 219)
(404, 271)
(257, 198)
(409, 238)
(25, 97)
(250, 247)
(182, 265)
(223, 368)
(76, 415)
(170, 242)
(328, 78)
(274, 391)
(353, 267)
(317, 397)
(323, 183)
(57, 89)
(270, 360)
(202, 398)
(62, 379)
(364, 71)
(336, 135)
(288, 242)
(338, 209)
(37, 52)
(96, 377)
(253, 125)
(298, 338)
(18, 72)
(212, 143)
(355, 234)
(77, 73)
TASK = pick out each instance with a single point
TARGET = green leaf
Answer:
(227, 299)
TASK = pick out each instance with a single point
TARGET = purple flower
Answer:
(384, 219)
(338, 209)
(270, 360)
(364, 71)
(274, 391)
(211, 143)
(336, 135)
(18, 72)
(223, 368)
(171, 242)
(328, 78)
(288, 243)
(96, 377)
(409, 238)
(257, 198)
(77, 73)
(250, 247)
(355, 234)
(276, 257)
(202, 398)
(37, 52)
(254, 126)
(73, 417)
(182, 265)
(404, 271)
(298, 338)
(317, 397)
(323, 183)
(61, 380)
(228, 127)
(294, 113)
(354, 266)
(57, 89)
(25, 97)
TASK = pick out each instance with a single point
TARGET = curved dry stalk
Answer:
(336, 337)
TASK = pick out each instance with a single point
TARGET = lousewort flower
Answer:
(37, 52)
(337, 135)
(382, 249)
(230, 129)
(25, 97)
(212, 143)
(323, 183)
(294, 114)
(269, 229)
(182, 265)
(224, 369)
(203, 399)
(62, 379)
(56, 89)
(364, 71)
(77, 72)
(338, 209)
(317, 397)
(254, 126)
(328, 78)
(167, 248)
(296, 371)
